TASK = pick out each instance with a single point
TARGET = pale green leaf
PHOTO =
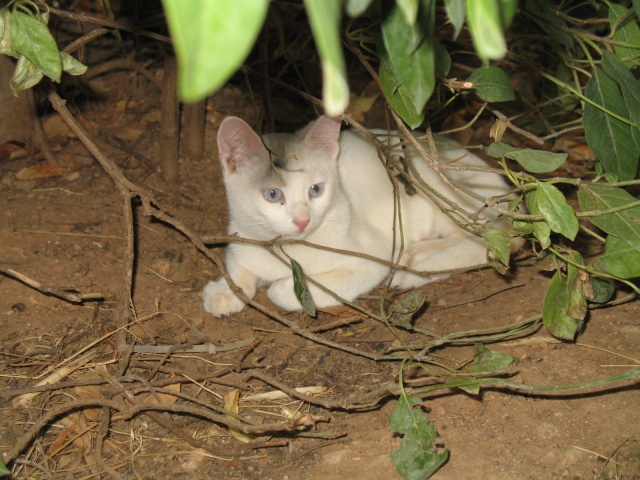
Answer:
(620, 258)
(485, 23)
(409, 52)
(72, 66)
(534, 161)
(553, 206)
(625, 223)
(541, 230)
(417, 457)
(499, 242)
(399, 98)
(5, 32)
(456, 11)
(31, 38)
(492, 84)
(211, 40)
(25, 75)
(554, 309)
(409, 10)
(489, 360)
(610, 139)
(355, 8)
(324, 16)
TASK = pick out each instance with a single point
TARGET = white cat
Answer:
(330, 188)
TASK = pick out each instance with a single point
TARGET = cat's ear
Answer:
(237, 144)
(324, 134)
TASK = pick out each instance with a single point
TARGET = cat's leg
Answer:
(346, 283)
(458, 251)
(219, 300)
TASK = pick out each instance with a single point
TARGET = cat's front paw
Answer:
(281, 293)
(219, 300)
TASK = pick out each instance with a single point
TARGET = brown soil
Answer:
(67, 232)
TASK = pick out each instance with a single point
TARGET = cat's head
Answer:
(281, 184)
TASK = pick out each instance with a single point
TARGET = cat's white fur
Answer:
(354, 212)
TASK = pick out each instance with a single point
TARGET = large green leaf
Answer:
(492, 84)
(610, 139)
(399, 98)
(211, 40)
(485, 22)
(324, 16)
(410, 52)
(32, 39)
(629, 84)
(624, 224)
(534, 161)
(627, 33)
(620, 258)
(417, 457)
(553, 206)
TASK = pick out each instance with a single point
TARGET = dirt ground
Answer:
(66, 231)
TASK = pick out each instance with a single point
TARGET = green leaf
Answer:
(5, 32)
(3, 468)
(538, 161)
(402, 310)
(456, 11)
(301, 289)
(636, 6)
(417, 457)
(624, 224)
(488, 360)
(541, 230)
(628, 33)
(492, 84)
(543, 13)
(612, 140)
(554, 310)
(410, 53)
(534, 161)
(602, 289)
(629, 85)
(553, 207)
(31, 38)
(485, 23)
(355, 8)
(324, 16)
(26, 75)
(72, 66)
(442, 59)
(620, 259)
(211, 40)
(409, 10)
(499, 243)
(399, 98)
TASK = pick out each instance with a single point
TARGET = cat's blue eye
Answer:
(316, 190)
(273, 194)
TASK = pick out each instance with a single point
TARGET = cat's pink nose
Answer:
(302, 224)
